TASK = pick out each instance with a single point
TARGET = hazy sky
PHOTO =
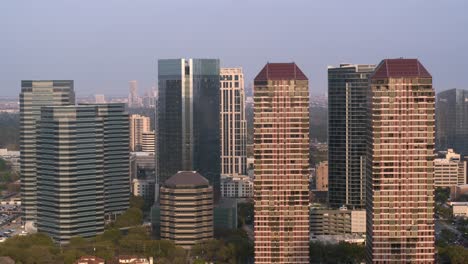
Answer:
(104, 44)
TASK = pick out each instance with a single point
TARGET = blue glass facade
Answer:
(188, 118)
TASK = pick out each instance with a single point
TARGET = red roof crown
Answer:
(395, 68)
(280, 71)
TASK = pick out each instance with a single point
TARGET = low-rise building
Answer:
(238, 186)
(337, 222)
(359, 239)
(225, 214)
(89, 260)
(142, 165)
(124, 259)
(460, 209)
(456, 192)
(450, 170)
(144, 188)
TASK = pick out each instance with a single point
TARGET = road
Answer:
(249, 230)
(443, 224)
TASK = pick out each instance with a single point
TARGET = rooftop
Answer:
(191, 178)
(280, 71)
(395, 68)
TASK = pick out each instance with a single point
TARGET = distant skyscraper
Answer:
(281, 150)
(34, 95)
(138, 125)
(233, 122)
(70, 172)
(149, 100)
(452, 121)
(134, 99)
(347, 119)
(186, 209)
(400, 166)
(188, 119)
(99, 99)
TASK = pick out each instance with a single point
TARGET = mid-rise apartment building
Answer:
(239, 186)
(449, 171)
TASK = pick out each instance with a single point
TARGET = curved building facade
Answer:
(186, 204)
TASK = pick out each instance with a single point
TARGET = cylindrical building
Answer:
(186, 203)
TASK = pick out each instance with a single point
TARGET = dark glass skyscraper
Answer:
(347, 120)
(452, 121)
(34, 95)
(188, 119)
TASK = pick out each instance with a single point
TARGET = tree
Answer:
(327, 253)
(9, 131)
(36, 248)
(442, 195)
(245, 213)
(71, 255)
(214, 250)
(137, 202)
(132, 217)
(453, 254)
(113, 235)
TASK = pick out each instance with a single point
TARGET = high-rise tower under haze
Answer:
(188, 131)
(400, 165)
(35, 94)
(452, 121)
(134, 100)
(233, 122)
(281, 151)
(347, 147)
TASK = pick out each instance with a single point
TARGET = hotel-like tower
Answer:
(281, 149)
(233, 122)
(35, 94)
(400, 182)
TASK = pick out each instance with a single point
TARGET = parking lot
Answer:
(10, 221)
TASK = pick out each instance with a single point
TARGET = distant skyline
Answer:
(102, 45)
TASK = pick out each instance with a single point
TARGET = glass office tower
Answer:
(70, 172)
(452, 121)
(35, 94)
(82, 168)
(188, 132)
(347, 120)
(116, 158)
